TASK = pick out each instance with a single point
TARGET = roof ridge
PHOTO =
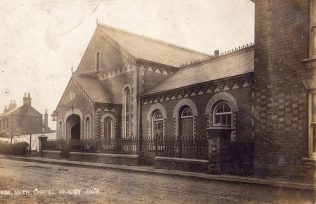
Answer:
(222, 54)
(154, 39)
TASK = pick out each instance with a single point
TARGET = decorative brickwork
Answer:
(131, 106)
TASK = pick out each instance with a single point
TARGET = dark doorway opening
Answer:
(73, 131)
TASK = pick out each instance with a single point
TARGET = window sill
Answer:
(309, 159)
(220, 128)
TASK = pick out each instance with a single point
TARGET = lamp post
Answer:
(54, 117)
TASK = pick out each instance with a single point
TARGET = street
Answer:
(27, 182)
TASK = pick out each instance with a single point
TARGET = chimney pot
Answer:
(216, 53)
(27, 100)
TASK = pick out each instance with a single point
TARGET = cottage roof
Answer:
(229, 65)
(145, 48)
(22, 110)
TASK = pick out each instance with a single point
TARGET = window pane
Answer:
(220, 108)
(226, 108)
(229, 119)
(157, 115)
(217, 120)
(186, 112)
(224, 119)
(158, 130)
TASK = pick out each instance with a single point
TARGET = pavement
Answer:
(275, 182)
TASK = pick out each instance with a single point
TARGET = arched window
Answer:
(127, 111)
(157, 129)
(108, 130)
(186, 133)
(186, 112)
(97, 61)
(88, 128)
(222, 115)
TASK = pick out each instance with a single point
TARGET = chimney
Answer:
(216, 53)
(45, 122)
(27, 100)
(12, 105)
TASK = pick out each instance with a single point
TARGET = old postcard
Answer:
(146, 101)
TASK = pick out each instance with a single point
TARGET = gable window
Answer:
(97, 63)
(222, 115)
(157, 129)
(127, 111)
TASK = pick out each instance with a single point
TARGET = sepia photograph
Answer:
(147, 101)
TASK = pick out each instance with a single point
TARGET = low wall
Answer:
(194, 165)
(124, 159)
(51, 154)
(308, 169)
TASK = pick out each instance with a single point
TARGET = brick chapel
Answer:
(250, 110)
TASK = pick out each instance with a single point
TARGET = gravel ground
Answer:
(45, 183)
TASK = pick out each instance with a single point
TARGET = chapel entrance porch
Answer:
(73, 125)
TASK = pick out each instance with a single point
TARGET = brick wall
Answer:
(23, 125)
(244, 115)
(281, 32)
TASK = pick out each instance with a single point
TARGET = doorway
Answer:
(73, 131)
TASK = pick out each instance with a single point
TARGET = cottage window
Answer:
(127, 111)
(157, 129)
(222, 115)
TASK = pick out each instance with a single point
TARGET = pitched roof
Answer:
(22, 111)
(95, 90)
(234, 64)
(148, 49)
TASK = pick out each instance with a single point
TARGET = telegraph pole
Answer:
(30, 149)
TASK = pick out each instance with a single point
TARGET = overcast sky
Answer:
(41, 40)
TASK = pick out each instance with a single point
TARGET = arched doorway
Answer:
(73, 130)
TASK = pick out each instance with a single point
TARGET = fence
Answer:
(190, 149)
(119, 146)
(26, 138)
